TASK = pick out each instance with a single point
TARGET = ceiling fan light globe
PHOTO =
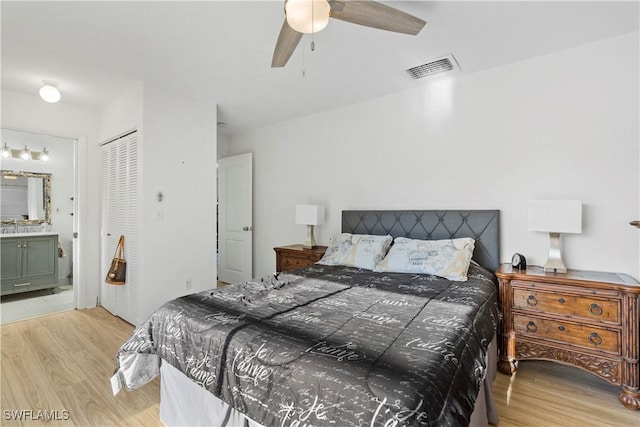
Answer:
(307, 16)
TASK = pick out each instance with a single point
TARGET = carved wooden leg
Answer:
(507, 363)
(507, 367)
(630, 393)
(630, 398)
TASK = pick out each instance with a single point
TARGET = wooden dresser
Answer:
(295, 256)
(587, 319)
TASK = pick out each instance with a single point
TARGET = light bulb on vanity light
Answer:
(25, 154)
(49, 91)
(45, 155)
(6, 153)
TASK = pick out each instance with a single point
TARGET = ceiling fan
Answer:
(311, 16)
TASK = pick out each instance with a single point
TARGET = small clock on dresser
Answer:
(588, 319)
(518, 261)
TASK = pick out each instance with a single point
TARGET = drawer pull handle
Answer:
(561, 300)
(595, 309)
(531, 327)
(17, 285)
(595, 339)
(531, 300)
(561, 328)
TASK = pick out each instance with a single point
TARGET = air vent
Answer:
(436, 66)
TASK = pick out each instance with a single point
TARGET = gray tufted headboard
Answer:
(481, 225)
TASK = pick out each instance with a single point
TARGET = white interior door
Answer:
(235, 225)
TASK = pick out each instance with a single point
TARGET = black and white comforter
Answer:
(328, 346)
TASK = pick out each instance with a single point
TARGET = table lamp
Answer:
(555, 217)
(309, 215)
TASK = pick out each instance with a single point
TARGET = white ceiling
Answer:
(220, 51)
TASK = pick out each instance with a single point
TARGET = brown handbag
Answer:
(118, 270)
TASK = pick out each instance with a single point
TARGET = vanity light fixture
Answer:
(25, 154)
(49, 91)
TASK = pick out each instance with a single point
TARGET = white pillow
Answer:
(356, 250)
(445, 258)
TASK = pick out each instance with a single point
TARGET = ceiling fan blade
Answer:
(376, 15)
(287, 42)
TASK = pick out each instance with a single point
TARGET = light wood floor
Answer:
(64, 362)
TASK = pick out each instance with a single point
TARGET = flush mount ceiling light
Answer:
(307, 16)
(49, 91)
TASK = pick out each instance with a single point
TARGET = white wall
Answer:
(560, 126)
(62, 184)
(180, 161)
(30, 113)
(223, 145)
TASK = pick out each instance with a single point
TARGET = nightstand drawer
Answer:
(574, 306)
(291, 263)
(585, 336)
(295, 256)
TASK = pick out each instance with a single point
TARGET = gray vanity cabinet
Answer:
(29, 263)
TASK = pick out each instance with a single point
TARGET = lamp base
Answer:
(310, 243)
(554, 262)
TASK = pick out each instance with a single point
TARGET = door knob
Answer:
(247, 228)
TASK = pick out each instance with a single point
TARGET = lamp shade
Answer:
(555, 216)
(309, 214)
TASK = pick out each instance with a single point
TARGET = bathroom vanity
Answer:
(29, 261)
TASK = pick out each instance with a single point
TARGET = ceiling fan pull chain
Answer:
(303, 69)
(313, 21)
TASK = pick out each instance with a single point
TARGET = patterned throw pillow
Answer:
(356, 250)
(445, 258)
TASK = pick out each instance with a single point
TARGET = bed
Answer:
(332, 345)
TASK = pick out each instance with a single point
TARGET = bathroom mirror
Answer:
(25, 197)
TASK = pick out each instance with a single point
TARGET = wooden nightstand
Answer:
(295, 256)
(588, 319)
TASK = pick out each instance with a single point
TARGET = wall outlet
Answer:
(187, 284)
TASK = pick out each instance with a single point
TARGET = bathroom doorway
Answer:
(38, 225)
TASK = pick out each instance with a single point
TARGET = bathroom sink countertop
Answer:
(30, 234)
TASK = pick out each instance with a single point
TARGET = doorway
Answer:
(45, 230)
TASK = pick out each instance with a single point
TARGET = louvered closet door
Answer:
(119, 204)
